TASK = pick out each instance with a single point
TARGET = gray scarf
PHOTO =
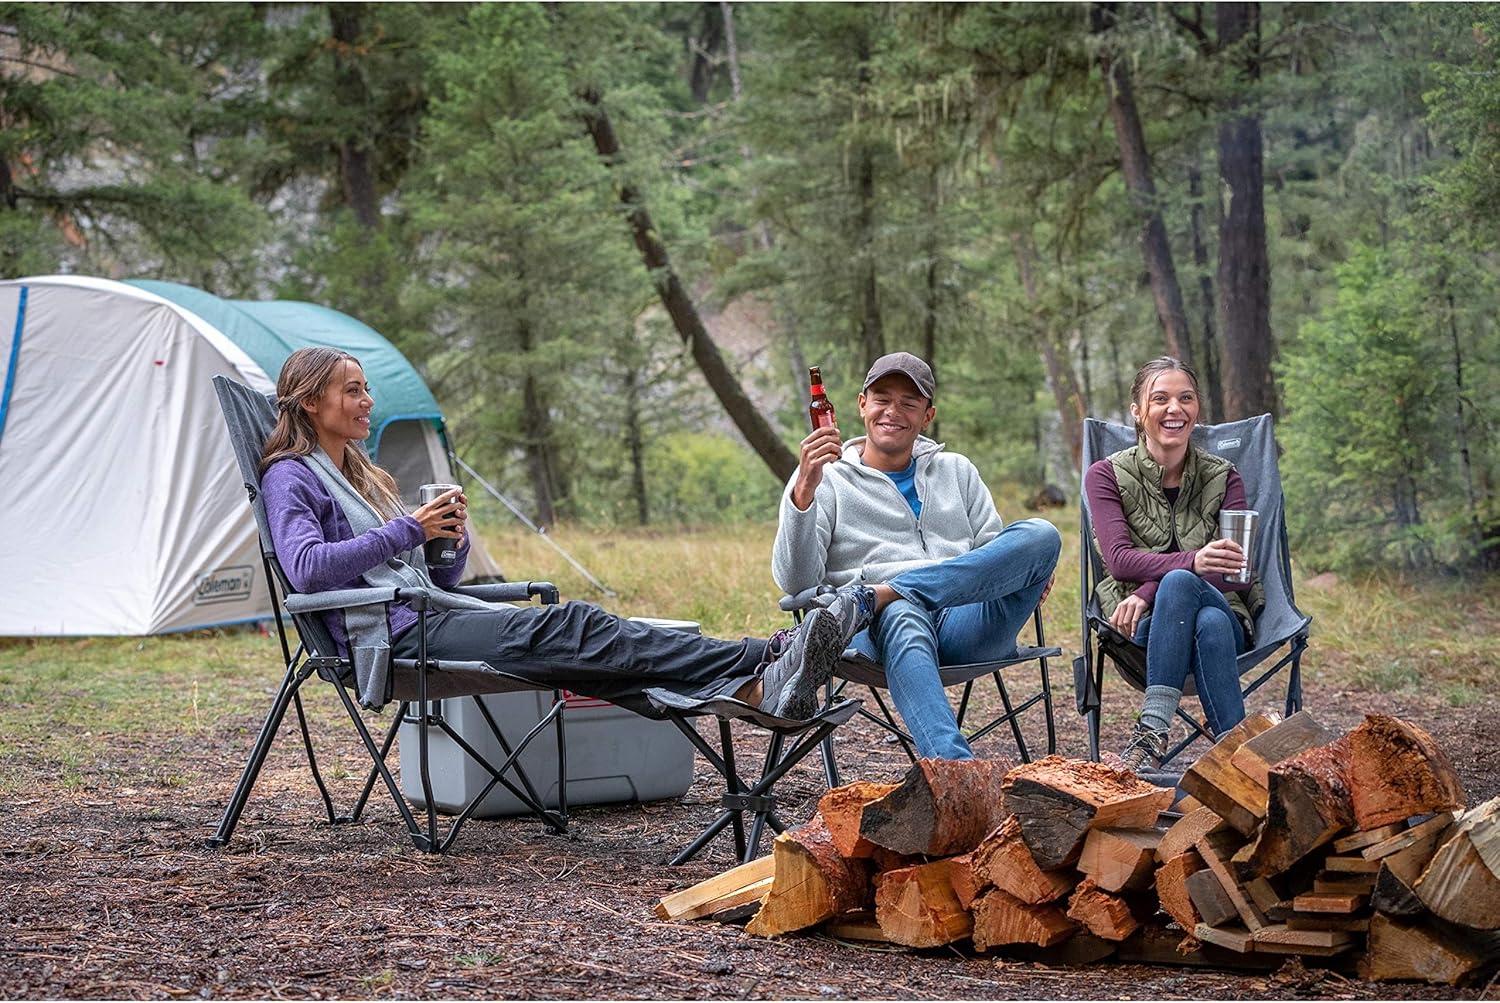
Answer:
(368, 626)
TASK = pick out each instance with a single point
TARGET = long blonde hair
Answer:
(307, 374)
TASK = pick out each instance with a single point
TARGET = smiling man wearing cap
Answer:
(907, 533)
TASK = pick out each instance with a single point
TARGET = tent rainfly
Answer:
(121, 507)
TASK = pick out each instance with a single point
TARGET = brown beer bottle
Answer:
(820, 411)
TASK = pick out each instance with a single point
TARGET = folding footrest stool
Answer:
(759, 799)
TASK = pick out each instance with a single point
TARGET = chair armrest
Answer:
(316, 602)
(546, 592)
(805, 600)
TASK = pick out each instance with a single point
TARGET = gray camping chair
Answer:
(418, 685)
(856, 667)
(1250, 445)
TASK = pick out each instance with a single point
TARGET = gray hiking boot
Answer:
(804, 660)
(854, 606)
(1145, 750)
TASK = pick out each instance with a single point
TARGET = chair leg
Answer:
(830, 761)
(1041, 642)
(773, 756)
(290, 684)
(891, 725)
(312, 759)
(412, 828)
(385, 750)
(1010, 713)
(726, 744)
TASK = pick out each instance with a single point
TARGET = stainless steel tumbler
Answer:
(1238, 524)
(440, 551)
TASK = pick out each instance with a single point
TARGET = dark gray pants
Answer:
(580, 647)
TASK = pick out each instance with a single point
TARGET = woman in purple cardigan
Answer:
(323, 404)
(1155, 509)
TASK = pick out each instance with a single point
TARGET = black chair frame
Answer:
(310, 658)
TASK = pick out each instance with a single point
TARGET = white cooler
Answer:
(613, 754)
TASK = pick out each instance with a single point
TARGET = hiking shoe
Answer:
(804, 660)
(854, 607)
(1145, 750)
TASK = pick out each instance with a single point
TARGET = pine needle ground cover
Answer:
(118, 754)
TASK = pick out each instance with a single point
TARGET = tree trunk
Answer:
(871, 335)
(356, 159)
(1244, 267)
(1061, 377)
(1135, 164)
(1461, 428)
(1210, 353)
(635, 443)
(930, 291)
(536, 428)
(750, 422)
(703, 47)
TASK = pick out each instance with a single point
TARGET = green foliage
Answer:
(1370, 447)
(709, 478)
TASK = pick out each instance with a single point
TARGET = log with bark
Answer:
(1107, 916)
(1399, 870)
(1004, 861)
(811, 882)
(917, 907)
(1396, 771)
(843, 808)
(1426, 951)
(1001, 918)
(941, 807)
(1309, 805)
(1296, 734)
(1059, 800)
(1462, 883)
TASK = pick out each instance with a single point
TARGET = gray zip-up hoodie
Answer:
(859, 527)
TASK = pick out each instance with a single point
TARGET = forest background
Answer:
(613, 237)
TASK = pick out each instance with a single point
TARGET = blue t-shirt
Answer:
(906, 483)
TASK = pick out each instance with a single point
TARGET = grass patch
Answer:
(84, 712)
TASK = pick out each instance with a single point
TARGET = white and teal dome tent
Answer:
(121, 507)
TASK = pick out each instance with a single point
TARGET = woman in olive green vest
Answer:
(1155, 511)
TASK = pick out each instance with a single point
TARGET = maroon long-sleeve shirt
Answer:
(1122, 559)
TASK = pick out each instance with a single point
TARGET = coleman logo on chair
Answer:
(223, 585)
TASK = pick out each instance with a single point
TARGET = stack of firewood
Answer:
(1291, 840)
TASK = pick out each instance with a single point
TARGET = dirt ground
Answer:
(108, 892)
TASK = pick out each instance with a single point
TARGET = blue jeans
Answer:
(1191, 629)
(966, 609)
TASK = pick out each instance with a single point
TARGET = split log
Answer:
(1120, 859)
(1282, 939)
(1211, 849)
(1396, 771)
(1266, 897)
(1462, 883)
(1003, 860)
(967, 884)
(1186, 831)
(1234, 938)
(1001, 918)
(1210, 900)
(1351, 865)
(1392, 890)
(1333, 883)
(942, 807)
(1059, 800)
(1330, 902)
(811, 882)
(842, 809)
(1422, 831)
(1171, 889)
(916, 906)
(1106, 916)
(1363, 840)
(1154, 945)
(1309, 805)
(1295, 735)
(736, 886)
(1219, 784)
(1425, 952)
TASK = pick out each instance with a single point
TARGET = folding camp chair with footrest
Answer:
(417, 685)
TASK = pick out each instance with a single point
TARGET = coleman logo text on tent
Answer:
(223, 585)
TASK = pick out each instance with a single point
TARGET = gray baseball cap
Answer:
(907, 365)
